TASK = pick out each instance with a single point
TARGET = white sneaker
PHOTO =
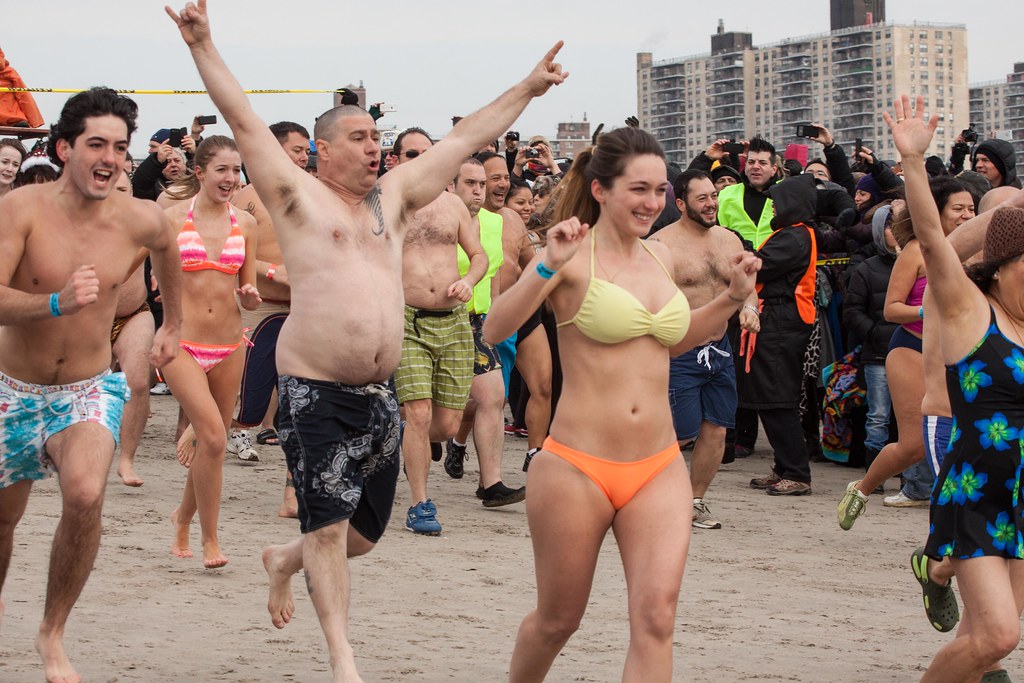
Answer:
(240, 443)
(159, 389)
(901, 500)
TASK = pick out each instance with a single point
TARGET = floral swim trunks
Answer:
(341, 444)
(31, 413)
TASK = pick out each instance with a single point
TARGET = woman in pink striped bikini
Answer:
(218, 247)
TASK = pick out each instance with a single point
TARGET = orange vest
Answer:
(804, 293)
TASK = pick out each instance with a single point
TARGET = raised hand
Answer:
(547, 73)
(911, 133)
(81, 289)
(193, 22)
(563, 240)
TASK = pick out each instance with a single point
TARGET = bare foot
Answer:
(126, 471)
(280, 604)
(179, 546)
(212, 556)
(289, 506)
(55, 663)
(187, 446)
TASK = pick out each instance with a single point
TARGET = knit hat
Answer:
(161, 136)
(867, 184)
(934, 166)
(718, 169)
(1005, 237)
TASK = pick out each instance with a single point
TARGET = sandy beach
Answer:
(780, 593)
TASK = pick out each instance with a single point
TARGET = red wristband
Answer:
(271, 269)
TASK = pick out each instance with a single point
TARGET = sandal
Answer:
(268, 437)
(939, 601)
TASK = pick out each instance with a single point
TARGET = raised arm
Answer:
(510, 310)
(266, 163)
(419, 182)
(953, 291)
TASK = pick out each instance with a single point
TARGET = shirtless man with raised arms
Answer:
(341, 242)
(65, 249)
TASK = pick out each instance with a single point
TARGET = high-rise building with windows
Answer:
(843, 79)
(997, 109)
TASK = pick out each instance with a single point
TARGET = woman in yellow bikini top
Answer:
(612, 460)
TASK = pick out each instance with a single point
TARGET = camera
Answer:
(808, 131)
(532, 153)
(969, 135)
(206, 120)
(176, 135)
(512, 136)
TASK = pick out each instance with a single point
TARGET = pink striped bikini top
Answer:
(193, 251)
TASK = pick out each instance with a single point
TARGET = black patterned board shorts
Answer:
(341, 444)
(486, 357)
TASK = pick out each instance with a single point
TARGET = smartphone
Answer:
(857, 148)
(734, 148)
(176, 135)
(808, 131)
(206, 120)
(388, 108)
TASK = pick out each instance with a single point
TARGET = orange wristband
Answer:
(271, 269)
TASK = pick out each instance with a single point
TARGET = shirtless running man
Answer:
(434, 377)
(131, 337)
(702, 382)
(341, 242)
(259, 378)
(65, 249)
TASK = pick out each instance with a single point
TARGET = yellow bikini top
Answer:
(610, 314)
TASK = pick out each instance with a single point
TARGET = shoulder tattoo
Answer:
(250, 208)
(372, 203)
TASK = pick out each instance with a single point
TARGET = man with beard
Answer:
(702, 381)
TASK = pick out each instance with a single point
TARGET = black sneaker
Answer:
(529, 458)
(453, 461)
(499, 494)
(435, 451)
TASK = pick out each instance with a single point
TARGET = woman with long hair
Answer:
(904, 364)
(976, 505)
(612, 460)
(218, 246)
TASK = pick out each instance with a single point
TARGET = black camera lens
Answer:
(532, 153)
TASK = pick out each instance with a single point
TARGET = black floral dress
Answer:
(976, 507)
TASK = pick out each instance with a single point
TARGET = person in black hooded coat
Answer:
(996, 160)
(786, 291)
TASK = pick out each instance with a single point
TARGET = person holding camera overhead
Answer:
(166, 164)
(531, 161)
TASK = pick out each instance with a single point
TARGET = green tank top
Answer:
(490, 239)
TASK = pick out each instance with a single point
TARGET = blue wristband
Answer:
(544, 271)
(55, 305)
(920, 312)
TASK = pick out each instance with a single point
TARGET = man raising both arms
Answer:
(702, 381)
(342, 244)
(65, 249)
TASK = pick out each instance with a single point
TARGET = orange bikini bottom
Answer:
(620, 481)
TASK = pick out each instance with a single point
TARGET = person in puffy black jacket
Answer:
(863, 316)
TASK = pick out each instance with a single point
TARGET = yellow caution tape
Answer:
(170, 92)
(832, 261)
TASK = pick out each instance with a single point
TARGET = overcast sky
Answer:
(431, 60)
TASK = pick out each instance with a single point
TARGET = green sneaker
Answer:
(851, 506)
(939, 601)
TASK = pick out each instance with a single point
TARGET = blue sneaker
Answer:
(422, 519)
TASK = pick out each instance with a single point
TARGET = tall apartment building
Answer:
(843, 79)
(997, 108)
(572, 138)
